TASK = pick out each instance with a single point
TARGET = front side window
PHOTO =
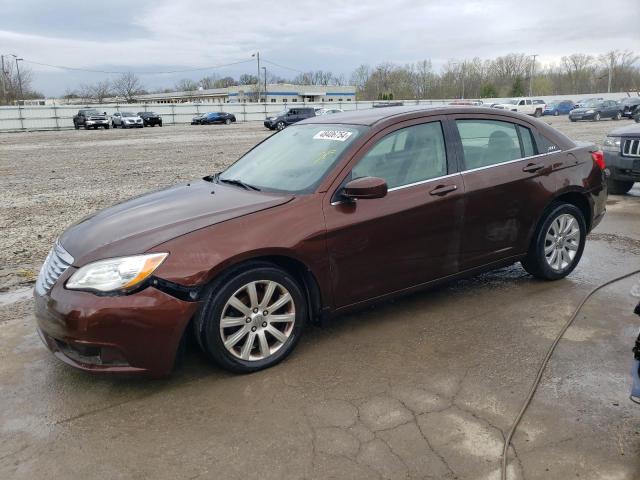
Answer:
(488, 142)
(406, 156)
(295, 159)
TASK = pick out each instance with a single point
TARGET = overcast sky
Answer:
(335, 35)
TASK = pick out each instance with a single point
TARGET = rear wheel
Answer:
(619, 187)
(556, 113)
(558, 243)
(618, 116)
(596, 117)
(538, 113)
(252, 318)
(76, 126)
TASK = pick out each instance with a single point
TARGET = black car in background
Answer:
(622, 156)
(596, 110)
(289, 117)
(217, 117)
(150, 119)
(630, 106)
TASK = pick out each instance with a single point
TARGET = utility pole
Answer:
(18, 59)
(257, 55)
(533, 68)
(265, 84)
(3, 74)
(611, 61)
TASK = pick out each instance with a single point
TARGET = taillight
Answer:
(598, 157)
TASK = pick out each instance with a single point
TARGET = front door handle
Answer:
(533, 167)
(443, 189)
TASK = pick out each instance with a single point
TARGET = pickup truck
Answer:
(527, 106)
(90, 118)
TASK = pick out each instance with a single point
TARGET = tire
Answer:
(538, 113)
(227, 121)
(237, 358)
(618, 116)
(86, 127)
(76, 126)
(540, 258)
(280, 126)
(106, 127)
(556, 113)
(619, 187)
(596, 117)
(637, 119)
(573, 119)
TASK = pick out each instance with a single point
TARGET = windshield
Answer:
(295, 159)
(128, 114)
(592, 103)
(92, 112)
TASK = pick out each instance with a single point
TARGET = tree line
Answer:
(514, 74)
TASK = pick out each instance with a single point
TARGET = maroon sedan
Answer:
(330, 214)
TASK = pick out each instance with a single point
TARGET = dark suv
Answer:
(288, 117)
(630, 106)
(622, 151)
(90, 118)
(333, 213)
(150, 119)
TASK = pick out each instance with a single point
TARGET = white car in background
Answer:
(126, 120)
(527, 106)
(328, 111)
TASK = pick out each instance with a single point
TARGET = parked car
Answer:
(558, 107)
(195, 120)
(90, 118)
(584, 101)
(150, 119)
(636, 116)
(289, 117)
(630, 106)
(333, 213)
(622, 153)
(217, 117)
(523, 105)
(126, 120)
(328, 111)
(597, 110)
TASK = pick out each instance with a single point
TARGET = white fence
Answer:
(58, 117)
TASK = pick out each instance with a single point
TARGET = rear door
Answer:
(410, 236)
(508, 183)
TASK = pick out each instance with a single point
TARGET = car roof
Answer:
(372, 116)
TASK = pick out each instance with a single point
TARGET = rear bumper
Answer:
(622, 168)
(137, 333)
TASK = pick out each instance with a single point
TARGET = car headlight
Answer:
(112, 274)
(589, 111)
(612, 144)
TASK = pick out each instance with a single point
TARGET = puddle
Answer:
(7, 298)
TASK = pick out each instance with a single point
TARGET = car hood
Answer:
(628, 131)
(143, 222)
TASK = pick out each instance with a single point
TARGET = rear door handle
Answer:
(533, 167)
(443, 189)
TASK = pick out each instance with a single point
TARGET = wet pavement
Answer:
(421, 387)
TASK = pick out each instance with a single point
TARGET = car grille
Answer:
(54, 265)
(631, 148)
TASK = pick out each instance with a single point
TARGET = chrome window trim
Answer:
(510, 161)
(400, 187)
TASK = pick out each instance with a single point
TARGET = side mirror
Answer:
(365, 187)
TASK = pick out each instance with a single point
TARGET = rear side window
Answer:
(526, 139)
(545, 145)
(406, 156)
(488, 142)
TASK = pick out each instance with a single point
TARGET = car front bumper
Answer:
(137, 333)
(626, 169)
(97, 122)
(582, 116)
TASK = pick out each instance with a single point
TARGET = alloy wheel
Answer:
(257, 320)
(562, 242)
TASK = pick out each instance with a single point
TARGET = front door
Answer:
(408, 237)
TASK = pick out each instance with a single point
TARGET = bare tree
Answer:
(10, 86)
(97, 91)
(128, 85)
(209, 81)
(186, 85)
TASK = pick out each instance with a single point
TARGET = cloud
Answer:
(332, 35)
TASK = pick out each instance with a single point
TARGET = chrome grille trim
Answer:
(54, 265)
(631, 147)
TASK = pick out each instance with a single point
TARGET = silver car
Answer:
(126, 120)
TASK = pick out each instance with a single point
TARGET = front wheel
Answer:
(76, 126)
(557, 244)
(619, 187)
(227, 121)
(556, 113)
(280, 126)
(252, 318)
(618, 116)
(596, 117)
(106, 127)
(538, 113)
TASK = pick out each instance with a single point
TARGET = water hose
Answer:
(543, 366)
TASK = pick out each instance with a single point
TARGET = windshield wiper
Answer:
(235, 181)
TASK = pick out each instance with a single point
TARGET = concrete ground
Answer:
(421, 387)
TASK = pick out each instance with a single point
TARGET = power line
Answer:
(65, 67)
(282, 66)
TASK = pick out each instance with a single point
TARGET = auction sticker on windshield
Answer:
(338, 135)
